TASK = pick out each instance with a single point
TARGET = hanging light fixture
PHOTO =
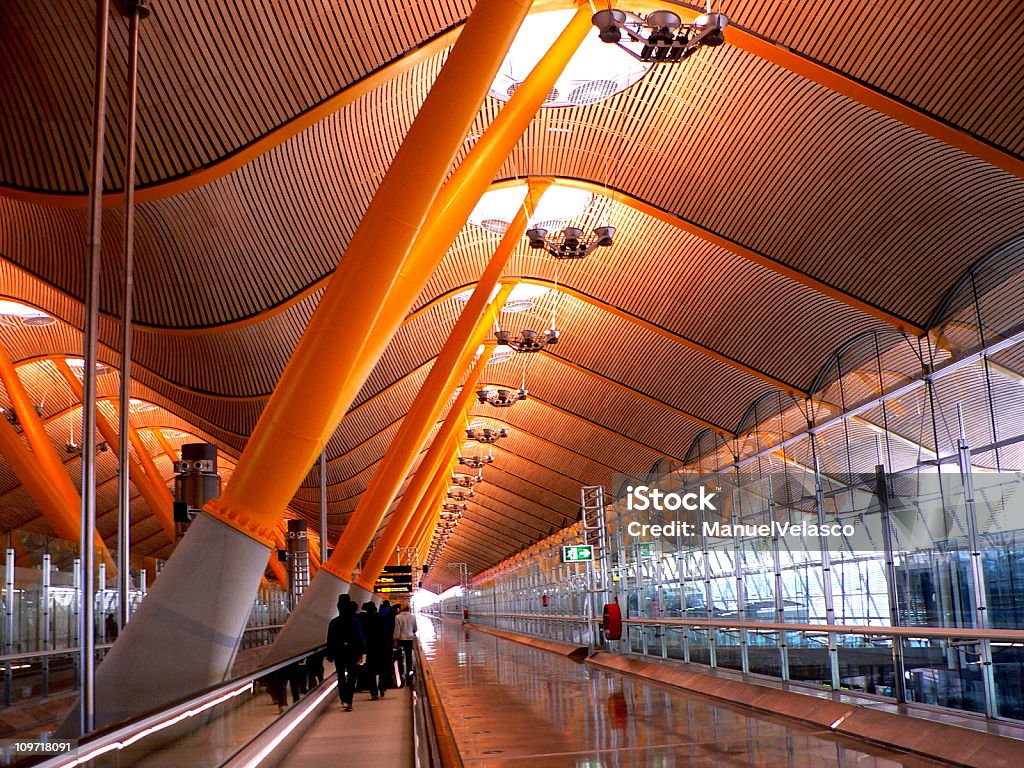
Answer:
(453, 509)
(476, 462)
(501, 398)
(467, 481)
(527, 340)
(486, 435)
(660, 36)
(460, 494)
(570, 242)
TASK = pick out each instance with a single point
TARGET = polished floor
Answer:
(511, 705)
(375, 734)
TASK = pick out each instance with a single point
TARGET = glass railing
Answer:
(205, 729)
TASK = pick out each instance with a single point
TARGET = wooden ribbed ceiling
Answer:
(766, 216)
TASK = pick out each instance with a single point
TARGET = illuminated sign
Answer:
(579, 553)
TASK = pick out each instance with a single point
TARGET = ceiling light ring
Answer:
(661, 35)
(570, 242)
(486, 435)
(501, 398)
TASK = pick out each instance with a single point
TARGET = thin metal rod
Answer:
(92, 301)
(323, 507)
(124, 493)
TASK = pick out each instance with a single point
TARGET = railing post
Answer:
(826, 569)
(780, 602)
(882, 492)
(47, 631)
(9, 643)
(711, 631)
(737, 556)
(979, 595)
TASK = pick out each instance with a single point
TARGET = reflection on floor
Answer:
(511, 705)
(375, 734)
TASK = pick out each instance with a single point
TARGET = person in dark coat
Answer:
(378, 651)
(346, 647)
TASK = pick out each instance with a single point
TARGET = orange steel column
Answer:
(470, 330)
(162, 505)
(431, 501)
(427, 513)
(476, 172)
(359, 314)
(436, 457)
(50, 465)
(61, 516)
(467, 335)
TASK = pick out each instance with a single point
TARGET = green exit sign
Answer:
(580, 553)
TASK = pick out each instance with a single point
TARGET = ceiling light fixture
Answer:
(467, 481)
(453, 509)
(501, 398)
(527, 340)
(14, 312)
(460, 494)
(570, 243)
(476, 461)
(486, 435)
(660, 36)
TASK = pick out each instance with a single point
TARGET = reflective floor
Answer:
(512, 705)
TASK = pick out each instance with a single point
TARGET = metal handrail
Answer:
(50, 653)
(548, 616)
(118, 736)
(939, 633)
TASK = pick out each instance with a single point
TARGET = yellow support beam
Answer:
(469, 333)
(470, 330)
(425, 475)
(389, 260)
(373, 286)
(42, 470)
(54, 507)
(49, 463)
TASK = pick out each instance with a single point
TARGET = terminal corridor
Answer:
(510, 705)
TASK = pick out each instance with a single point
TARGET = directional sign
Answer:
(580, 553)
(394, 580)
(398, 569)
(392, 590)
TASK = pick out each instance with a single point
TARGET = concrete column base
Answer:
(185, 634)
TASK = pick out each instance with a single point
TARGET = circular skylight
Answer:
(596, 72)
(558, 205)
(500, 355)
(26, 315)
(77, 365)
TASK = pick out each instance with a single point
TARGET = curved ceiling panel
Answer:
(212, 78)
(914, 52)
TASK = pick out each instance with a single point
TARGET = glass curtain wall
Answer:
(918, 445)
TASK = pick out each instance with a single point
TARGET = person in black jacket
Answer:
(378, 651)
(346, 647)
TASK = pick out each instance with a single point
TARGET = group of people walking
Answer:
(370, 648)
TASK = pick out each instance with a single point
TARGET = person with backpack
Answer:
(346, 647)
